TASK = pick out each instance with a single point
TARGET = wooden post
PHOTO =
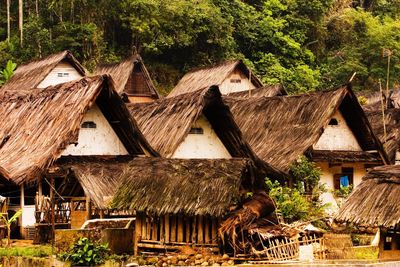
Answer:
(167, 229)
(22, 204)
(137, 234)
(187, 226)
(194, 230)
(40, 188)
(173, 228)
(101, 214)
(53, 225)
(214, 231)
(200, 235)
(142, 218)
(180, 228)
(88, 208)
(207, 225)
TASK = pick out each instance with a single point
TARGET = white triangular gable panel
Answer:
(63, 72)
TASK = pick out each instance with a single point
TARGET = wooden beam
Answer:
(173, 228)
(88, 208)
(207, 226)
(167, 228)
(137, 235)
(180, 229)
(22, 205)
(200, 230)
(188, 238)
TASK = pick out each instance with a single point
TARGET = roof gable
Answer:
(208, 76)
(37, 125)
(287, 127)
(128, 72)
(31, 74)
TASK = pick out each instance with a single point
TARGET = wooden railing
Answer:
(43, 211)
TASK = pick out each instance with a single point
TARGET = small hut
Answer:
(231, 76)
(131, 79)
(374, 204)
(55, 69)
(83, 118)
(195, 125)
(329, 127)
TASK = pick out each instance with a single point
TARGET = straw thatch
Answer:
(374, 201)
(166, 122)
(130, 77)
(391, 140)
(280, 129)
(37, 125)
(208, 76)
(160, 186)
(267, 91)
(30, 75)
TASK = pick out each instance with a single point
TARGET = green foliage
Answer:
(35, 251)
(7, 72)
(86, 253)
(292, 204)
(9, 222)
(306, 174)
(344, 191)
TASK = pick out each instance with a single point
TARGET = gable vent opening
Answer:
(236, 80)
(89, 125)
(333, 122)
(196, 130)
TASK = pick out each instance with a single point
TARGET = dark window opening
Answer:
(236, 80)
(333, 122)
(196, 130)
(344, 179)
(59, 74)
(89, 125)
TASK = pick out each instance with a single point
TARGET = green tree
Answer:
(9, 222)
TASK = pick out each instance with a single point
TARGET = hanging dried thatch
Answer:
(166, 122)
(374, 201)
(38, 124)
(208, 76)
(160, 186)
(130, 76)
(267, 91)
(30, 75)
(280, 129)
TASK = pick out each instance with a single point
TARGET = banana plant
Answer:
(9, 222)
(7, 72)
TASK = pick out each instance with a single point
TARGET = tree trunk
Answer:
(8, 234)
(8, 21)
(37, 8)
(21, 20)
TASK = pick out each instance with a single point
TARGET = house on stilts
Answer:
(329, 127)
(132, 80)
(374, 204)
(42, 128)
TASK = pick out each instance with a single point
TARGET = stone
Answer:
(181, 263)
(216, 264)
(207, 258)
(198, 262)
(204, 263)
(132, 264)
(152, 260)
(183, 257)
(231, 262)
(225, 264)
(225, 257)
(164, 264)
(198, 256)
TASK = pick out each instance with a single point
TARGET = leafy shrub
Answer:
(86, 253)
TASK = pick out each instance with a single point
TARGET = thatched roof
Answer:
(391, 141)
(166, 122)
(267, 91)
(188, 186)
(374, 202)
(208, 76)
(124, 73)
(37, 125)
(31, 74)
(280, 129)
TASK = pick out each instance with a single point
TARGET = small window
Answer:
(65, 74)
(89, 125)
(344, 179)
(333, 121)
(236, 80)
(196, 130)
(59, 74)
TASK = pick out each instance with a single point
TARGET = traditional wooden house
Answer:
(195, 125)
(83, 118)
(373, 204)
(55, 69)
(230, 76)
(177, 201)
(131, 79)
(329, 127)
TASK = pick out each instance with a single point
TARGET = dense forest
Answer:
(305, 45)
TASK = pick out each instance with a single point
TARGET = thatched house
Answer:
(177, 201)
(55, 69)
(81, 118)
(329, 127)
(131, 79)
(230, 76)
(195, 125)
(373, 204)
